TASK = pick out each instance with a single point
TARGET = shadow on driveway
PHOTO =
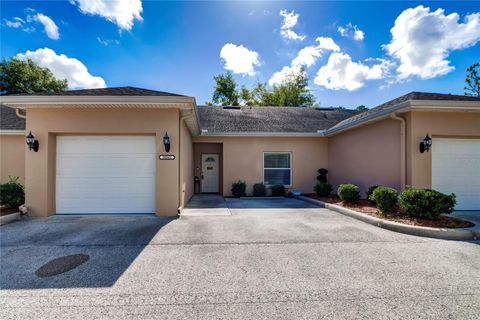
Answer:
(112, 243)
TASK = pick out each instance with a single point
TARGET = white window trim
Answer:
(291, 167)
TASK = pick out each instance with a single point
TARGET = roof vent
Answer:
(231, 108)
(325, 109)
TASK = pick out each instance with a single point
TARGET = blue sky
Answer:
(177, 46)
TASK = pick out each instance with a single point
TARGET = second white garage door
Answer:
(456, 169)
(105, 174)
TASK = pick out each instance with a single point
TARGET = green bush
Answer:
(348, 192)
(323, 189)
(370, 192)
(259, 190)
(238, 189)
(12, 193)
(278, 190)
(426, 203)
(385, 198)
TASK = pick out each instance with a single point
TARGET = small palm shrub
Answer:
(238, 189)
(12, 193)
(426, 203)
(370, 192)
(323, 189)
(259, 190)
(385, 198)
(348, 192)
(278, 190)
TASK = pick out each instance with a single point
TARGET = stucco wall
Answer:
(243, 159)
(46, 124)
(436, 124)
(12, 157)
(366, 156)
(186, 158)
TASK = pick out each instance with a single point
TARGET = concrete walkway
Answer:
(206, 205)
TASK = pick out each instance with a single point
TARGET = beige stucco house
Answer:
(130, 150)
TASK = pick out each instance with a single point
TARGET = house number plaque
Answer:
(166, 157)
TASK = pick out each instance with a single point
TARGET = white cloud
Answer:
(351, 31)
(239, 59)
(64, 67)
(107, 42)
(283, 76)
(290, 20)
(15, 23)
(51, 28)
(121, 12)
(341, 72)
(309, 55)
(422, 40)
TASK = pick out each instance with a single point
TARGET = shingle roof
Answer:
(9, 120)
(409, 96)
(269, 119)
(114, 91)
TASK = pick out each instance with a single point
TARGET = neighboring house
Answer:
(103, 150)
(12, 144)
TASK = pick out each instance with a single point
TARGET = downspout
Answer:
(403, 153)
(18, 114)
(180, 159)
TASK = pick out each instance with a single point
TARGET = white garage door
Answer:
(456, 169)
(105, 174)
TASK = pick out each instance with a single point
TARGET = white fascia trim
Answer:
(410, 105)
(52, 101)
(320, 133)
(12, 132)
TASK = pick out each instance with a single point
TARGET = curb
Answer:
(9, 218)
(262, 198)
(437, 233)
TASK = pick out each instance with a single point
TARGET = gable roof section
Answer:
(114, 91)
(268, 120)
(398, 104)
(9, 120)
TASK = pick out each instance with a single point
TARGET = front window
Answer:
(277, 168)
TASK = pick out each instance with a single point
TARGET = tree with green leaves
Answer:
(18, 76)
(361, 108)
(473, 81)
(293, 91)
(225, 93)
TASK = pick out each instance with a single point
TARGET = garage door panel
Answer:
(456, 169)
(98, 174)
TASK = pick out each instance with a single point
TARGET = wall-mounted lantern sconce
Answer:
(426, 144)
(166, 142)
(31, 142)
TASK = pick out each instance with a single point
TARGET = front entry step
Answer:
(206, 205)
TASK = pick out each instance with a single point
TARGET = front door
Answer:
(209, 173)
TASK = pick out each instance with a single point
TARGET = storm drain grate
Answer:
(61, 265)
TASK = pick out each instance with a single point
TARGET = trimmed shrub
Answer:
(238, 189)
(385, 198)
(348, 192)
(426, 203)
(278, 190)
(323, 189)
(370, 192)
(12, 193)
(259, 190)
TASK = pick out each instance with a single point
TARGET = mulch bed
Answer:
(365, 206)
(5, 211)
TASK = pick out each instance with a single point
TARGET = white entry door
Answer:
(105, 174)
(209, 172)
(456, 169)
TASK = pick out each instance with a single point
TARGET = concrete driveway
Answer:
(286, 260)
